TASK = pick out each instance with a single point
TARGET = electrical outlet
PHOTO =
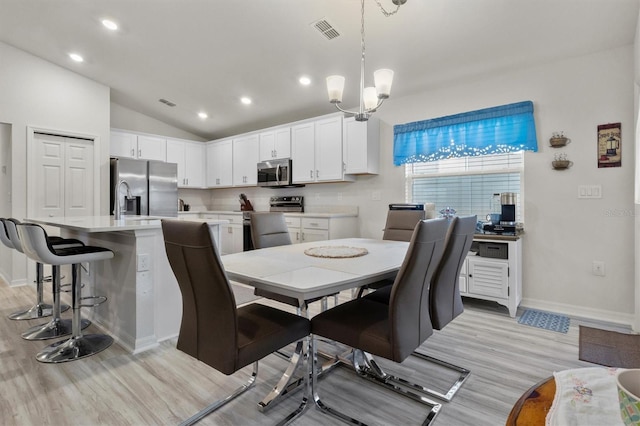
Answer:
(143, 262)
(597, 268)
(339, 196)
(375, 195)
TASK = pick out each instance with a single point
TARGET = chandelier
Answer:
(370, 97)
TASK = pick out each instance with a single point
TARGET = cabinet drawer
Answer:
(208, 216)
(232, 218)
(292, 222)
(315, 223)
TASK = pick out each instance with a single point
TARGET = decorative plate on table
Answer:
(336, 252)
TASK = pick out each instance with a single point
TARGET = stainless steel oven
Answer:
(275, 172)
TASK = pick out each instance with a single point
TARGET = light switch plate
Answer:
(143, 262)
(589, 191)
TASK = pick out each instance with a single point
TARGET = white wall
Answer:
(5, 195)
(563, 233)
(128, 119)
(34, 92)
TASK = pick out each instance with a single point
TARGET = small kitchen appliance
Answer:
(275, 173)
(507, 224)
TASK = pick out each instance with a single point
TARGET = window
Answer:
(466, 184)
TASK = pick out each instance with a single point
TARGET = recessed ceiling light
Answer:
(305, 81)
(245, 100)
(76, 57)
(109, 24)
(202, 115)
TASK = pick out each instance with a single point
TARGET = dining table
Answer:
(316, 269)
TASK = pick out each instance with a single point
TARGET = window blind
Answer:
(466, 184)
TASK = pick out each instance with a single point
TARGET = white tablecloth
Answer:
(585, 397)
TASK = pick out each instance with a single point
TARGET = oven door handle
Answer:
(278, 173)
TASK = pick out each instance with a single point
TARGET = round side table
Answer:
(532, 407)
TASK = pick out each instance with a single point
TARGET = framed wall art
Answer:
(609, 145)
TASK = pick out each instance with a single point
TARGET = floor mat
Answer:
(610, 348)
(546, 320)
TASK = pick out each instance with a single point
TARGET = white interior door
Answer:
(63, 171)
(78, 183)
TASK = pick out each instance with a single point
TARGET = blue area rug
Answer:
(546, 320)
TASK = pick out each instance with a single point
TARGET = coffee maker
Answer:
(507, 225)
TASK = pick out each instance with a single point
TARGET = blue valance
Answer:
(496, 130)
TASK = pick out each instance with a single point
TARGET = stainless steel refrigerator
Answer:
(153, 186)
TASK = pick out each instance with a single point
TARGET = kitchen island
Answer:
(144, 304)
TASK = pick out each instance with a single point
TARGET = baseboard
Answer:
(579, 311)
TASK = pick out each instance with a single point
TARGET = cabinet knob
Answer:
(317, 174)
(311, 174)
(140, 153)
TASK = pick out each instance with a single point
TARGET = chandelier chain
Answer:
(384, 11)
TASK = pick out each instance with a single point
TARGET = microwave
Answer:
(275, 172)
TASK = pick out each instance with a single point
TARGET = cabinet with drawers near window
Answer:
(493, 271)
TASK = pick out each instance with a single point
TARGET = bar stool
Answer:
(40, 309)
(36, 246)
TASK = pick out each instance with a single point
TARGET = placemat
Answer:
(336, 252)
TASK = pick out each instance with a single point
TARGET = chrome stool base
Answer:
(40, 310)
(74, 348)
(52, 329)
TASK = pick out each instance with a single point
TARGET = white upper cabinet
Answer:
(245, 160)
(190, 157)
(316, 151)
(275, 143)
(131, 145)
(219, 164)
(302, 152)
(328, 149)
(361, 146)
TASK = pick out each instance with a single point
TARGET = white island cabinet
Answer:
(144, 304)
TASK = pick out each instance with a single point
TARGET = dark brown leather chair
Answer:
(400, 224)
(399, 227)
(394, 330)
(213, 329)
(445, 302)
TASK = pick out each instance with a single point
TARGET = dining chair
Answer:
(394, 330)
(399, 227)
(445, 302)
(213, 329)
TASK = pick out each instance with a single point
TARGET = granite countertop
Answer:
(497, 237)
(109, 224)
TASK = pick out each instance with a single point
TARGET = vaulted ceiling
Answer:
(203, 55)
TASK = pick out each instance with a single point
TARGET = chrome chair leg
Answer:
(56, 327)
(453, 389)
(306, 398)
(213, 407)
(78, 345)
(40, 309)
(370, 369)
(287, 382)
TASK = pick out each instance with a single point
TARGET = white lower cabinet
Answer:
(231, 237)
(312, 228)
(495, 279)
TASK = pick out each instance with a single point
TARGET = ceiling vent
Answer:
(326, 29)
(166, 102)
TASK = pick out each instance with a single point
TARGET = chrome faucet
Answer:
(117, 211)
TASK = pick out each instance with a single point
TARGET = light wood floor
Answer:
(165, 386)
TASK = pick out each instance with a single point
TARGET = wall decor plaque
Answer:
(609, 145)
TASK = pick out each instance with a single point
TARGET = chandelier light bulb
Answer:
(370, 98)
(383, 79)
(335, 87)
